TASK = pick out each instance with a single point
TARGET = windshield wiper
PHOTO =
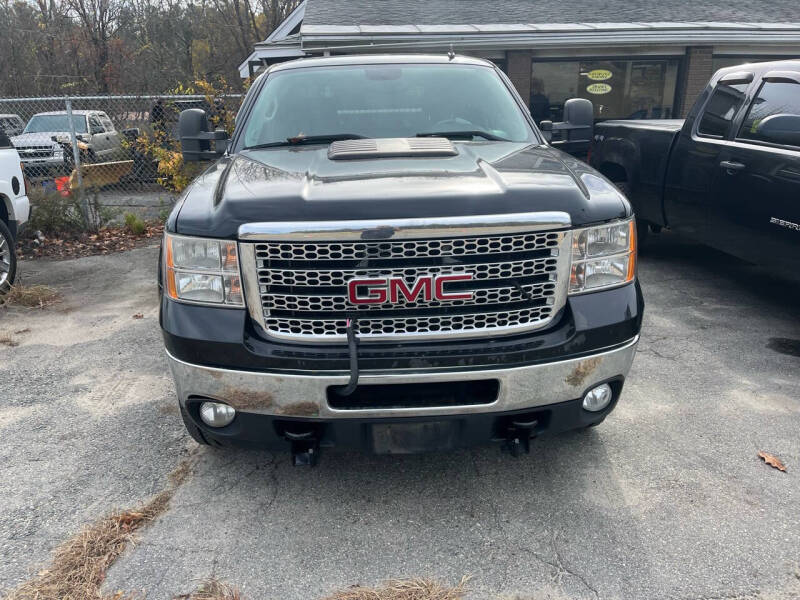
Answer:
(309, 139)
(464, 134)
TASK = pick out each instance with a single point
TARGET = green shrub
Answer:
(134, 224)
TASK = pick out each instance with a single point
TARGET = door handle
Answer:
(731, 165)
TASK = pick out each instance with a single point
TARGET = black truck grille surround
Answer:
(518, 283)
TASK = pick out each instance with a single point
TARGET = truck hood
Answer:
(302, 184)
(38, 139)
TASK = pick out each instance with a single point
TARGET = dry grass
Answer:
(212, 589)
(31, 296)
(405, 589)
(79, 565)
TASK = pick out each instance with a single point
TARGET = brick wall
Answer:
(696, 74)
(518, 64)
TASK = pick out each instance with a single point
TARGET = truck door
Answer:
(100, 143)
(755, 212)
(694, 161)
(115, 150)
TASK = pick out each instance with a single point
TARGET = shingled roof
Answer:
(476, 12)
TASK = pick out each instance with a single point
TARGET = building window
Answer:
(619, 89)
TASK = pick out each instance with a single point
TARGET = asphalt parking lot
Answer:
(666, 499)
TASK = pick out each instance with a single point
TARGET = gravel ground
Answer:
(666, 499)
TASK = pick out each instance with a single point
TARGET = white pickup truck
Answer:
(14, 210)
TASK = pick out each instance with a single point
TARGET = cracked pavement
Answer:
(666, 499)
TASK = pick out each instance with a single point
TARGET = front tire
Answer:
(8, 260)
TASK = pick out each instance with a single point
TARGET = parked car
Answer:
(11, 124)
(728, 175)
(45, 145)
(14, 210)
(390, 257)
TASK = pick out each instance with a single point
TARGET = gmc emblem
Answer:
(390, 289)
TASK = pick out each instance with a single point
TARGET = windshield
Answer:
(380, 101)
(47, 123)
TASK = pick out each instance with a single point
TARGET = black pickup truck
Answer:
(729, 175)
(388, 256)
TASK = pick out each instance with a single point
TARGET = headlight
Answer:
(204, 271)
(603, 256)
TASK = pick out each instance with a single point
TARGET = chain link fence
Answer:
(117, 150)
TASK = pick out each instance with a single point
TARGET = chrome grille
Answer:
(408, 249)
(317, 277)
(297, 288)
(34, 152)
(477, 324)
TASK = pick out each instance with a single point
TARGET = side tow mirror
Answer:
(131, 133)
(546, 127)
(196, 138)
(578, 125)
(577, 129)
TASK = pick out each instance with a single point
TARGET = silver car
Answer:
(45, 145)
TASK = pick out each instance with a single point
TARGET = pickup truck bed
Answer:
(729, 175)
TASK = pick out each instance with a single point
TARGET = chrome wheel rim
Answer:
(5, 260)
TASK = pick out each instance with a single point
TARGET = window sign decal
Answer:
(599, 74)
(598, 88)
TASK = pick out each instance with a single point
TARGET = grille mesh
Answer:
(318, 277)
(409, 249)
(516, 284)
(421, 325)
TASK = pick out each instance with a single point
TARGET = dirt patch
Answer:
(405, 589)
(75, 245)
(7, 340)
(79, 565)
(583, 369)
(246, 399)
(299, 409)
(30, 296)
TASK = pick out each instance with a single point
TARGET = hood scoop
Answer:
(390, 148)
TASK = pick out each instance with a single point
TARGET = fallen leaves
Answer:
(772, 460)
(138, 316)
(105, 241)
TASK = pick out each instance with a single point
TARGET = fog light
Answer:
(597, 398)
(216, 414)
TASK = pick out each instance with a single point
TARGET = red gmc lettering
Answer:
(422, 284)
(442, 279)
(375, 295)
(378, 291)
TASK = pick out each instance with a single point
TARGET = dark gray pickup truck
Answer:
(729, 175)
(388, 256)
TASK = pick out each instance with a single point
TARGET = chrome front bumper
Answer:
(294, 395)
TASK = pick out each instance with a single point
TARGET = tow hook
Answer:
(304, 447)
(518, 437)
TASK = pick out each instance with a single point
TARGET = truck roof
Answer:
(792, 65)
(63, 112)
(379, 59)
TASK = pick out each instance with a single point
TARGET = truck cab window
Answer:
(774, 115)
(95, 126)
(723, 106)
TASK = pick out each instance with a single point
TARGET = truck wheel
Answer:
(8, 260)
(642, 226)
(194, 430)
